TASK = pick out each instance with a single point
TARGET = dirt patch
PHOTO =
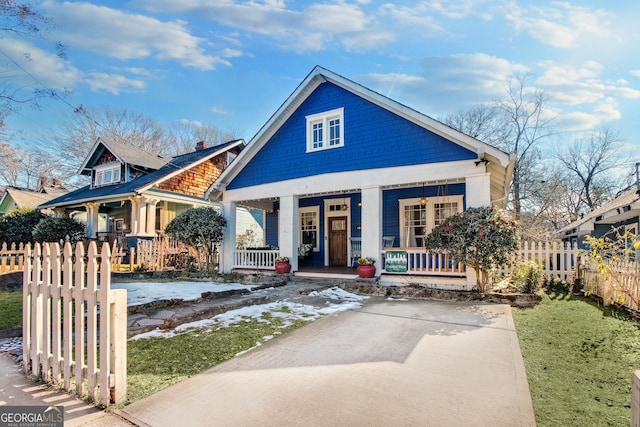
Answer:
(423, 292)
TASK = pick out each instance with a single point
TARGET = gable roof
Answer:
(501, 166)
(125, 153)
(24, 198)
(171, 168)
(623, 207)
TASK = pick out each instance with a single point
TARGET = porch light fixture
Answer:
(482, 160)
(423, 200)
(344, 205)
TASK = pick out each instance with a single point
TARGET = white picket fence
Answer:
(74, 326)
(558, 259)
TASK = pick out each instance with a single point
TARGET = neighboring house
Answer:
(620, 213)
(15, 198)
(134, 194)
(344, 168)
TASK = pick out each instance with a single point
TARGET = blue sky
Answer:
(232, 63)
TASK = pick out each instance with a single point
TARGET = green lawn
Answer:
(156, 363)
(10, 309)
(579, 358)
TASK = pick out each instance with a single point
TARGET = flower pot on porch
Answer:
(283, 267)
(366, 271)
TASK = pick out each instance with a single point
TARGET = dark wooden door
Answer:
(338, 240)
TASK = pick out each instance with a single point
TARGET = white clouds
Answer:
(112, 83)
(123, 35)
(316, 27)
(220, 111)
(582, 87)
(38, 66)
(560, 24)
(450, 83)
(412, 16)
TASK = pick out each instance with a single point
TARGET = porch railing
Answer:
(422, 262)
(261, 259)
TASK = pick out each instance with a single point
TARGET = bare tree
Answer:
(518, 124)
(483, 122)
(529, 124)
(20, 19)
(23, 166)
(187, 133)
(590, 162)
(83, 128)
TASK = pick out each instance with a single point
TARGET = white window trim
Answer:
(324, 117)
(99, 174)
(312, 209)
(431, 201)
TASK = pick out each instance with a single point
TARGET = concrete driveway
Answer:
(391, 363)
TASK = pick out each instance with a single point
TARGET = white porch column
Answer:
(135, 215)
(142, 217)
(478, 193)
(229, 242)
(92, 219)
(151, 217)
(372, 224)
(288, 229)
(478, 190)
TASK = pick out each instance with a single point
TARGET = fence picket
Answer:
(46, 312)
(79, 323)
(67, 312)
(92, 314)
(56, 314)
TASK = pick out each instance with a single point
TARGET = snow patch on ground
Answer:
(289, 311)
(139, 293)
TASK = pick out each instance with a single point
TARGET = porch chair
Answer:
(388, 241)
(356, 249)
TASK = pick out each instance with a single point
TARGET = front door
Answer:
(338, 240)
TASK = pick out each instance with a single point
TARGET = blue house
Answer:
(350, 172)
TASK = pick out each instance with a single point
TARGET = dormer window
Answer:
(325, 130)
(106, 174)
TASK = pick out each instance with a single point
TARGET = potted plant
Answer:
(366, 269)
(282, 265)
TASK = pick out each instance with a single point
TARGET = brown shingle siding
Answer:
(196, 180)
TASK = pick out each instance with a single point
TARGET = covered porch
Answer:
(325, 234)
(125, 220)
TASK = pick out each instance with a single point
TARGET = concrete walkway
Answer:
(391, 363)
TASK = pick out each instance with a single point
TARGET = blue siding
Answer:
(317, 258)
(374, 138)
(271, 228)
(391, 203)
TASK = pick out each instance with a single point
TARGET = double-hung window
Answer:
(325, 130)
(418, 219)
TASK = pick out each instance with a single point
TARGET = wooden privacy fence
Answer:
(161, 253)
(620, 284)
(74, 326)
(11, 257)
